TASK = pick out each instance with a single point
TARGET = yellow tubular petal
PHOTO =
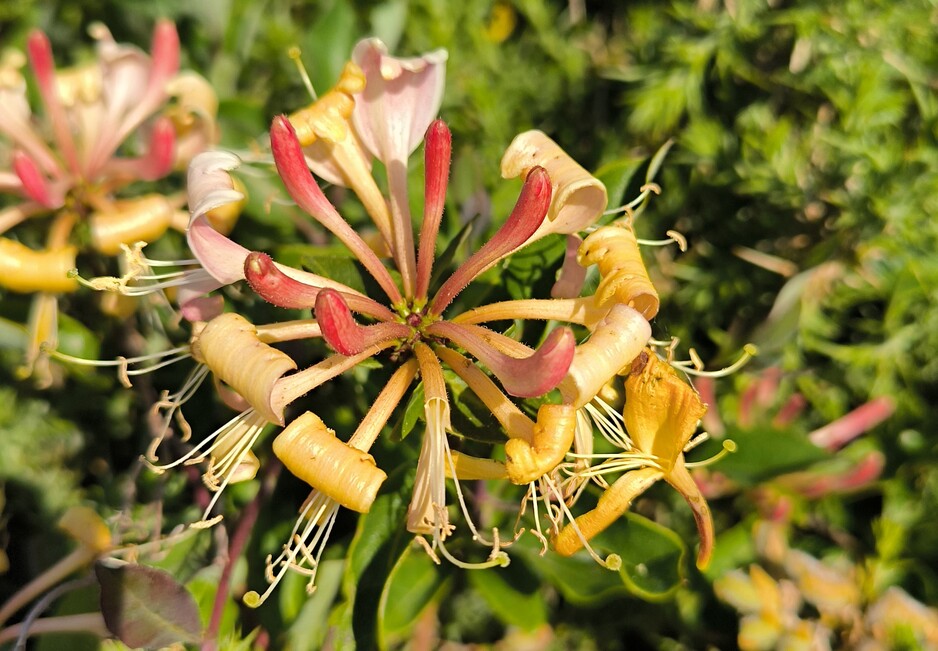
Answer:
(661, 410)
(135, 220)
(512, 419)
(578, 198)
(25, 270)
(383, 406)
(468, 467)
(584, 311)
(311, 451)
(230, 347)
(553, 436)
(611, 505)
(617, 340)
(624, 277)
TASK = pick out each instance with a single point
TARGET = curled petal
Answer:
(578, 198)
(210, 186)
(553, 434)
(681, 480)
(617, 340)
(624, 276)
(341, 331)
(25, 270)
(230, 347)
(614, 501)
(400, 99)
(143, 219)
(311, 451)
(525, 378)
(526, 216)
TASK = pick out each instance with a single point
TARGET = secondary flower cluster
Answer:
(802, 602)
(119, 119)
(382, 108)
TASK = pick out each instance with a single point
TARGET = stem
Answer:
(78, 558)
(45, 602)
(92, 623)
(238, 540)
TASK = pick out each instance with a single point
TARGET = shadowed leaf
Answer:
(145, 607)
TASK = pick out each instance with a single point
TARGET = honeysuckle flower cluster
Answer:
(119, 119)
(802, 602)
(382, 108)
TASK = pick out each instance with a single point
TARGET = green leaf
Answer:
(579, 578)
(532, 271)
(763, 452)
(617, 175)
(412, 413)
(443, 264)
(652, 555)
(328, 44)
(513, 594)
(411, 587)
(146, 607)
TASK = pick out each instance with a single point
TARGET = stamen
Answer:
(303, 550)
(729, 447)
(646, 191)
(168, 357)
(674, 237)
(138, 270)
(691, 367)
(295, 54)
(612, 562)
(172, 403)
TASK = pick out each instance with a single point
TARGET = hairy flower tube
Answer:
(419, 326)
(119, 119)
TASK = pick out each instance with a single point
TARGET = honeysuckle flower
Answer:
(400, 99)
(845, 472)
(841, 606)
(103, 126)
(660, 417)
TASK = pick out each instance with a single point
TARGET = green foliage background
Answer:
(803, 130)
